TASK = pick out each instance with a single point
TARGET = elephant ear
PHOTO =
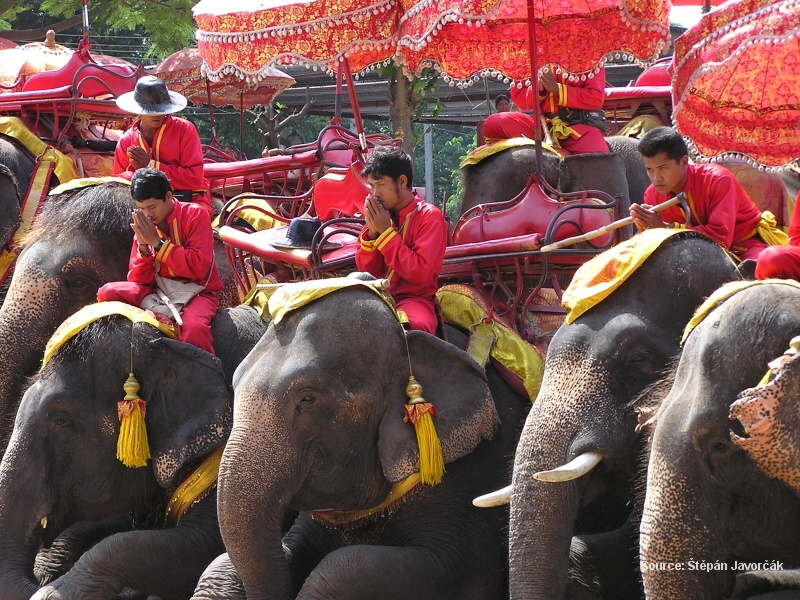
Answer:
(456, 385)
(189, 408)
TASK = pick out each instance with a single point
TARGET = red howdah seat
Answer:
(534, 211)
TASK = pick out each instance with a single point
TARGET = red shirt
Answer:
(720, 208)
(176, 151)
(589, 94)
(410, 253)
(187, 252)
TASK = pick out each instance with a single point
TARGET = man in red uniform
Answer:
(404, 238)
(718, 205)
(162, 141)
(175, 240)
(574, 109)
(783, 262)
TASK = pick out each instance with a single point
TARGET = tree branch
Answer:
(20, 35)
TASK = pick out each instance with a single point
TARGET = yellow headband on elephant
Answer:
(133, 449)
(83, 182)
(596, 279)
(278, 300)
(722, 294)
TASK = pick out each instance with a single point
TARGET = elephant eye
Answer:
(81, 285)
(719, 447)
(308, 399)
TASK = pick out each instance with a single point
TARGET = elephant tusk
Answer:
(43, 522)
(578, 467)
(498, 498)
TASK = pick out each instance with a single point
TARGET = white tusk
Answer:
(498, 498)
(578, 467)
(43, 522)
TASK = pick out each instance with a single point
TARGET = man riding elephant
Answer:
(174, 243)
(717, 205)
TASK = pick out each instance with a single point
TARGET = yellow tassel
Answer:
(132, 447)
(421, 414)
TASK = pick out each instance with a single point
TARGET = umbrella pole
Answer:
(337, 106)
(241, 122)
(537, 109)
(211, 112)
(351, 90)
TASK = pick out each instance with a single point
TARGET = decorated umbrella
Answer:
(735, 80)
(29, 59)
(517, 36)
(181, 72)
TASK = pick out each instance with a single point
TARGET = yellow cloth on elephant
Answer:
(64, 166)
(596, 279)
(459, 307)
(194, 488)
(477, 155)
(279, 299)
(91, 313)
(83, 182)
(722, 294)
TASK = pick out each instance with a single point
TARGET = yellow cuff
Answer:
(562, 94)
(166, 248)
(385, 238)
(367, 245)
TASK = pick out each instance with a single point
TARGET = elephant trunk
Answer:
(543, 517)
(674, 534)
(23, 520)
(254, 488)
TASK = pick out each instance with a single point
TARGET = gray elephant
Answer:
(502, 176)
(66, 431)
(80, 240)
(585, 416)
(319, 425)
(710, 514)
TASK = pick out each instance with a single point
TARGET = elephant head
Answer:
(61, 467)
(80, 241)
(595, 368)
(708, 505)
(10, 212)
(318, 424)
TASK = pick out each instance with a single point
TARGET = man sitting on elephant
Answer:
(173, 241)
(404, 238)
(718, 206)
(574, 109)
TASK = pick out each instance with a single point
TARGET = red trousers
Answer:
(779, 262)
(421, 313)
(196, 315)
(500, 126)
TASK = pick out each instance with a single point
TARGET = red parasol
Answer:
(463, 37)
(575, 35)
(735, 82)
(181, 72)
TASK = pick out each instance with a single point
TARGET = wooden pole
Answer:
(595, 233)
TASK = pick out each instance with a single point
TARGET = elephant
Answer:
(318, 425)
(80, 240)
(596, 367)
(714, 525)
(502, 176)
(10, 199)
(66, 432)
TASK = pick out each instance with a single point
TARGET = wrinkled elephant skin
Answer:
(67, 430)
(707, 501)
(596, 366)
(318, 424)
